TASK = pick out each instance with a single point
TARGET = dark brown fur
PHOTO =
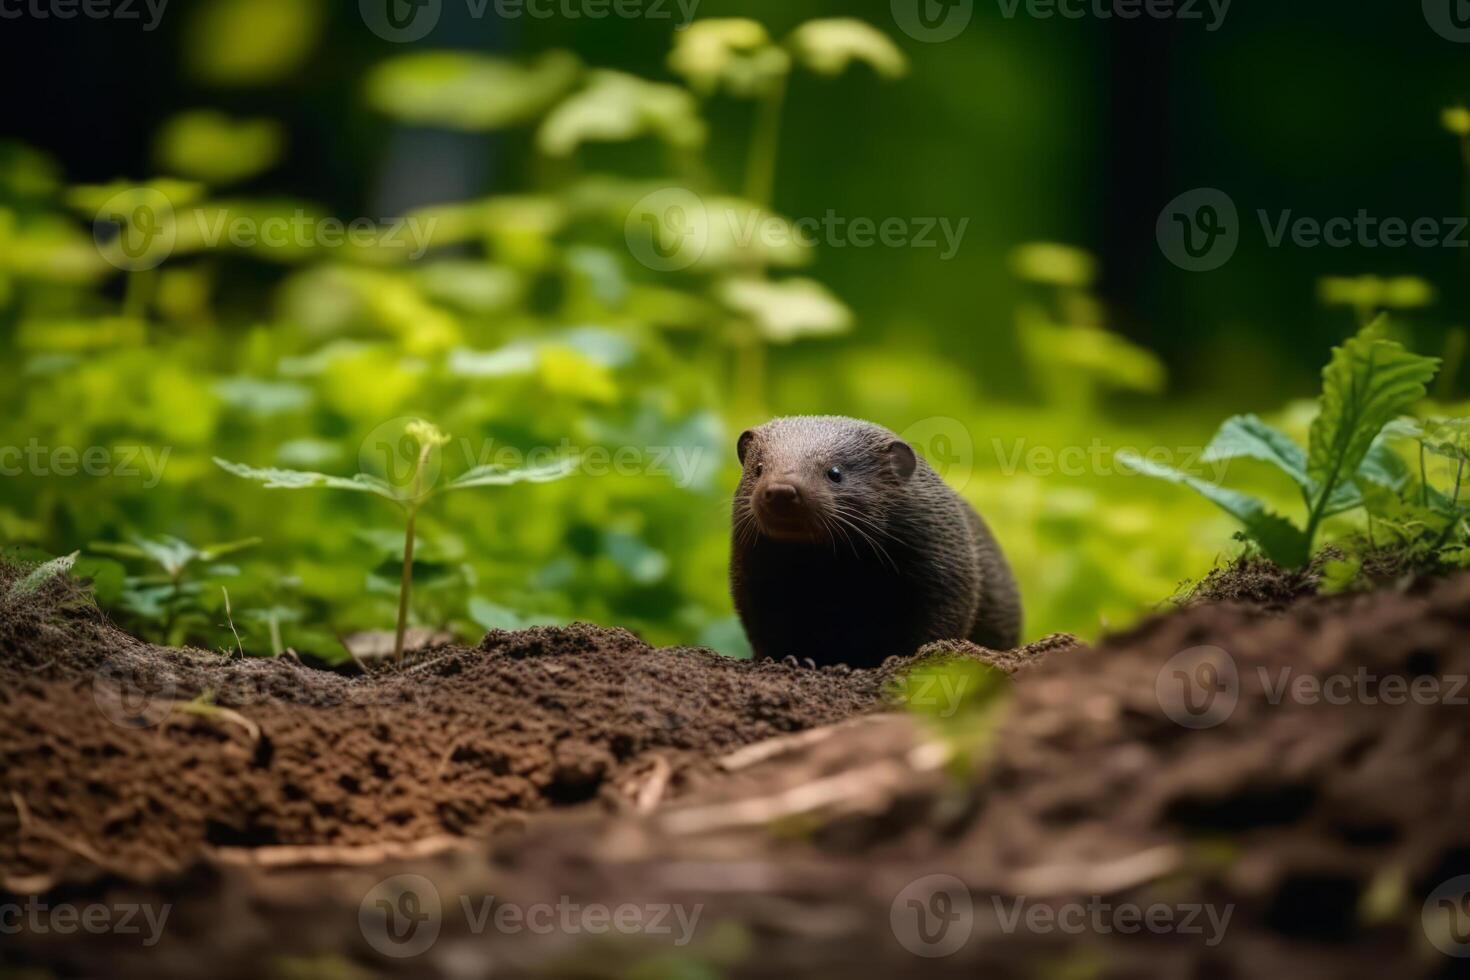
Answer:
(852, 571)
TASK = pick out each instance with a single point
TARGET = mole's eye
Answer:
(835, 474)
(760, 468)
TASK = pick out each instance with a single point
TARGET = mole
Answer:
(848, 548)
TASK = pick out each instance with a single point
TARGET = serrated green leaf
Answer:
(495, 475)
(278, 479)
(1369, 382)
(42, 574)
(1281, 541)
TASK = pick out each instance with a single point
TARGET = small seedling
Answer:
(166, 597)
(426, 437)
(40, 575)
(1368, 383)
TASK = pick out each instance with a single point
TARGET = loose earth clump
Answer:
(1310, 804)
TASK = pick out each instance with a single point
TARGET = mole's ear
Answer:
(744, 443)
(901, 457)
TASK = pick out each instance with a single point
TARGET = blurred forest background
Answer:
(530, 320)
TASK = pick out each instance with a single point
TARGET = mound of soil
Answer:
(1230, 789)
(139, 760)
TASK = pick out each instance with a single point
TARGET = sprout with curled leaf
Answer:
(425, 438)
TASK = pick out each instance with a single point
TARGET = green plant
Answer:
(1423, 522)
(172, 595)
(1369, 381)
(426, 438)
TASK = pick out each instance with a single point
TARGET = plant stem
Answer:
(760, 189)
(1454, 507)
(1423, 478)
(173, 608)
(405, 585)
(765, 138)
(137, 293)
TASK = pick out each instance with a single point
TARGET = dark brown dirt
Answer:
(140, 760)
(1319, 822)
(1254, 580)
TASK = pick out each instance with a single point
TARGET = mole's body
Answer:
(849, 548)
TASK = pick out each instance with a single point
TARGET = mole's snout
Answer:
(781, 496)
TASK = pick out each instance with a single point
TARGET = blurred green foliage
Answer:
(249, 327)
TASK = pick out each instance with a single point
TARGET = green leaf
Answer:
(279, 479)
(733, 53)
(1247, 437)
(495, 475)
(1449, 438)
(212, 147)
(785, 310)
(827, 46)
(1282, 541)
(492, 616)
(1369, 382)
(472, 92)
(1340, 575)
(42, 574)
(212, 552)
(615, 107)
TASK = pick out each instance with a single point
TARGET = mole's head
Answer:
(820, 477)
